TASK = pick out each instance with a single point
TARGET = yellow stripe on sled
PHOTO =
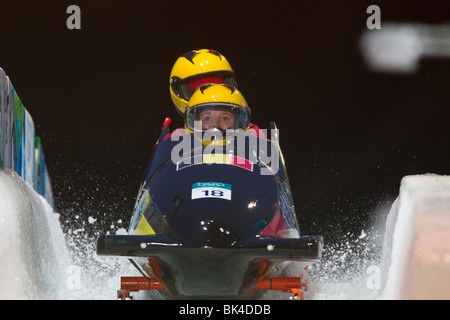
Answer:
(143, 227)
(214, 158)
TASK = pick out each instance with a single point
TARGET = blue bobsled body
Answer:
(211, 221)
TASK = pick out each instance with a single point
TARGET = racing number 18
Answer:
(213, 193)
(211, 190)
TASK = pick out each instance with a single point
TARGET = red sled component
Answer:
(287, 284)
(134, 284)
(292, 284)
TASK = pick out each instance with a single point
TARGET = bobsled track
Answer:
(39, 261)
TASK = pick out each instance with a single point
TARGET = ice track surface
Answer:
(39, 261)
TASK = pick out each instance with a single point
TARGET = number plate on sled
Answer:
(217, 190)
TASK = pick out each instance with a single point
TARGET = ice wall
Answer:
(417, 246)
(39, 261)
(33, 254)
(35, 260)
(32, 245)
(20, 149)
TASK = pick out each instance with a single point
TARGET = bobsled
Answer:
(215, 221)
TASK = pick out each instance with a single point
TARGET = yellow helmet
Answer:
(195, 68)
(217, 106)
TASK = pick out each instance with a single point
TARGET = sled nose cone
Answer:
(218, 235)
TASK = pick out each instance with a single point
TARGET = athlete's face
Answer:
(217, 119)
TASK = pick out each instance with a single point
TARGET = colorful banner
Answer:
(20, 149)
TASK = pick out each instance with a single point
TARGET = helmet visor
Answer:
(184, 88)
(216, 115)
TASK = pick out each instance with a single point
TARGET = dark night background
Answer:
(99, 95)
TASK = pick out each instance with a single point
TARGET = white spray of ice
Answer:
(38, 260)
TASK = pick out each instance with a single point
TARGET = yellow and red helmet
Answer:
(217, 106)
(195, 68)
